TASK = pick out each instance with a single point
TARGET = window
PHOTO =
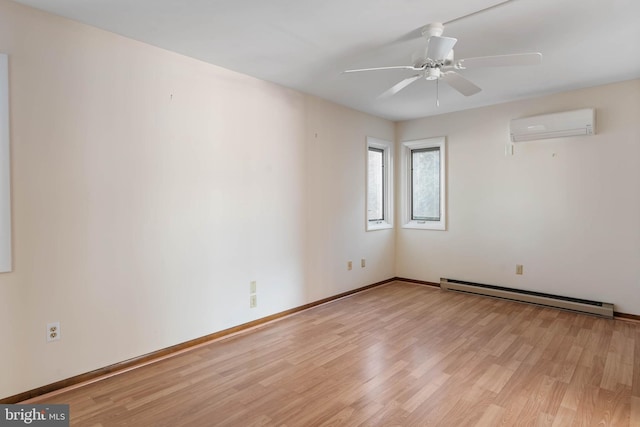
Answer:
(375, 182)
(423, 184)
(379, 201)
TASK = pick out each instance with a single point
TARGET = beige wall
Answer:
(567, 209)
(149, 189)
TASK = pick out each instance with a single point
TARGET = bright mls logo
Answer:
(34, 415)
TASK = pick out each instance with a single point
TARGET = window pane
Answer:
(375, 185)
(425, 184)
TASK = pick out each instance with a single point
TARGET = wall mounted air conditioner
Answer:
(556, 125)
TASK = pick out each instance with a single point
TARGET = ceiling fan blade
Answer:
(439, 47)
(399, 86)
(417, 32)
(533, 58)
(459, 83)
(477, 12)
(394, 67)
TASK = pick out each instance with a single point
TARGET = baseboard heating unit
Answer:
(566, 303)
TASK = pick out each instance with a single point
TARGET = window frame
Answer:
(407, 180)
(387, 182)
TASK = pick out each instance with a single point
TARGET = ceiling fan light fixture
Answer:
(432, 74)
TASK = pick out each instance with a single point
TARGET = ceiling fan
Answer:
(438, 63)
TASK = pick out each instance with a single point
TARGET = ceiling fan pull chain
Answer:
(437, 92)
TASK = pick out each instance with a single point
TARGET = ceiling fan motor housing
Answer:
(434, 29)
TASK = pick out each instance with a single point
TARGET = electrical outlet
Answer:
(349, 265)
(252, 287)
(363, 263)
(519, 269)
(53, 331)
(253, 301)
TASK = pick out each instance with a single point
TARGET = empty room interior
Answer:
(321, 213)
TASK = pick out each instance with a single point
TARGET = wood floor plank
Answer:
(588, 401)
(491, 416)
(401, 354)
(494, 378)
(611, 408)
(564, 417)
(635, 411)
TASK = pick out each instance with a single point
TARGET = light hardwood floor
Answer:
(401, 355)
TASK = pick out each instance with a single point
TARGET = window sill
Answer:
(382, 225)
(426, 225)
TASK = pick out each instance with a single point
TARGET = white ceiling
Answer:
(305, 44)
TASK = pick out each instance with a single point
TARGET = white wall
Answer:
(567, 209)
(149, 189)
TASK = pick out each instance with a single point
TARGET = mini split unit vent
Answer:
(557, 125)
